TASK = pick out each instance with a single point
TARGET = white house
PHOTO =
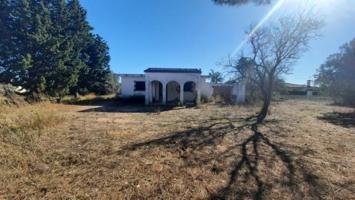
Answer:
(167, 85)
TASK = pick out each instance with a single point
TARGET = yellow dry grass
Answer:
(210, 152)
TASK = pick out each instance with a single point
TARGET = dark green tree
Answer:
(46, 44)
(111, 84)
(96, 75)
(5, 36)
(24, 46)
(337, 75)
(72, 34)
(35, 48)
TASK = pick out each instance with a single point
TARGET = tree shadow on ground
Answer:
(111, 108)
(120, 105)
(256, 166)
(346, 120)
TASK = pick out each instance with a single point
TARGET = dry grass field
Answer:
(305, 150)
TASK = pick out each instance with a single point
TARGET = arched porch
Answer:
(190, 92)
(173, 90)
(156, 92)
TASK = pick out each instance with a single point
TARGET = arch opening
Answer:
(156, 92)
(190, 92)
(172, 92)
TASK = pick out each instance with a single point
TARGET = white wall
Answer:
(127, 86)
(206, 90)
(181, 78)
(239, 92)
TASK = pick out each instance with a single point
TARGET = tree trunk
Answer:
(267, 93)
(264, 110)
(76, 95)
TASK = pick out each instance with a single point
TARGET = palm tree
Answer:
(216, 77)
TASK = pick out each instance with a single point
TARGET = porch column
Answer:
(147, 91)
(151, 91)
(198, 100)
(164, 93)
(182, 94)
(198, 89)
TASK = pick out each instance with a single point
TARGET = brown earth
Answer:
(305, 150)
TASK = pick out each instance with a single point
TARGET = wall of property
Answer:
(232, 93)
(206, 90)
(127, 86)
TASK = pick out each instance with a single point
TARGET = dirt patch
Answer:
(211, 152)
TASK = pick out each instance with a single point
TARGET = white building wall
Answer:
(127, 86)
(203, 88)
(181, 78)
(239, 92)
(206, 90)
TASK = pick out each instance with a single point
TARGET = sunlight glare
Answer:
(323, 5)
(258, 26)
(317, 6)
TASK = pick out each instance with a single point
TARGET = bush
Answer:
(8, 96)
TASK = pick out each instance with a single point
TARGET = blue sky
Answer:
(198, 33)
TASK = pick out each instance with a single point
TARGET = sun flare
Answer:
(317, 4)
(292, 6)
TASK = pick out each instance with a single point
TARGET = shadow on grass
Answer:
(115, 104)
(129, 108)
(346, 120)
(249, 159)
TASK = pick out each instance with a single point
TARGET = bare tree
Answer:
(272, 51)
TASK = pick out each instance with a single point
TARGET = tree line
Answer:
(48, 47)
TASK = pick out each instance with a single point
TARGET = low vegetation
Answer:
(210, 152)
(9, 97)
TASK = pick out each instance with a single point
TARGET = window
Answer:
(139, 86)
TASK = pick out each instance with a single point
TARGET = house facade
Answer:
(167, 85)
(302, 89)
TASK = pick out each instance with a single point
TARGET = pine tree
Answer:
(96, 76)
(63, 74)
(5, 38)
(46, 47)
(78, 29)
(20, 45)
